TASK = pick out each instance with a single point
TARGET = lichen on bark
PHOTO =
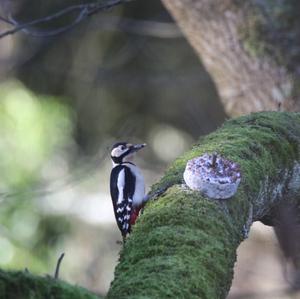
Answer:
(272, 29)
(183, 246)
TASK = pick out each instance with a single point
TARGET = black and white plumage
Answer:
(127, 186)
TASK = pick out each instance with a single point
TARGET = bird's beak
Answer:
(136, 147)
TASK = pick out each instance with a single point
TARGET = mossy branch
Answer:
(184, 245)
(23, 285)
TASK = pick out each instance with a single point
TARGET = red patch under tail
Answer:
(134, 215)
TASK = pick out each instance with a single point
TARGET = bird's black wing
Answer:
(122, 184)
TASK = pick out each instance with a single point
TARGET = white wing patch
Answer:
(120, 185)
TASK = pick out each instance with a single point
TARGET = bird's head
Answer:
(123, 151)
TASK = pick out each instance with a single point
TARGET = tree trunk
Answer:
(184, 245)
(250, 48)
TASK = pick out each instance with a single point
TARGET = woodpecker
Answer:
(127, 186)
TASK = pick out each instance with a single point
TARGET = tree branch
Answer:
(84, 11)
(184, 245)
(139, 27)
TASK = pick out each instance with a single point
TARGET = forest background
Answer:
(124, 74)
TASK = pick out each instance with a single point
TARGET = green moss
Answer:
(23, 285)
(175, 250)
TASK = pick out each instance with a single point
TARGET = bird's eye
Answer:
(123, 147)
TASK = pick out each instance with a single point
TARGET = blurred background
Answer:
(126, 74)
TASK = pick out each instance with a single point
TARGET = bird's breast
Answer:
(139, 191)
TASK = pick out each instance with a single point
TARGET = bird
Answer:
(127, 186)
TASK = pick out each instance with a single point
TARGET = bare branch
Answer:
(138, 27)
(84, 11)
(5, 20)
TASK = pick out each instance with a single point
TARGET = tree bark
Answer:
(184, 245)
(250, 48)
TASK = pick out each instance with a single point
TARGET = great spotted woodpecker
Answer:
(127, 186)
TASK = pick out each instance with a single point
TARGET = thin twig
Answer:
(84, 11)
(56, 274)
(24, 27)
(5, 20)
(214, 160)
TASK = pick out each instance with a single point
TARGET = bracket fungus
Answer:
(213, 175)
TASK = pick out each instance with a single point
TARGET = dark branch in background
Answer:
(84, 11)
(139, 27)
